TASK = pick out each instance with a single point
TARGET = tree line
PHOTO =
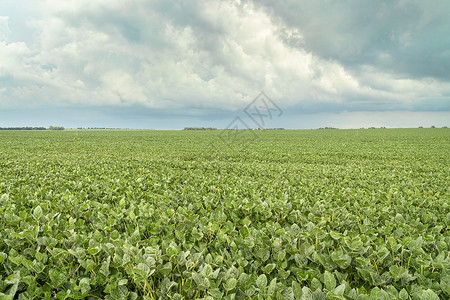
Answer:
(33, 128)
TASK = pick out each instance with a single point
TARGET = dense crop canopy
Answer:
(309, 214)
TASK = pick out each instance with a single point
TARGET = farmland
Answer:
(291, 214)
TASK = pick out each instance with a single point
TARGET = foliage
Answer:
(308, 214)
(56, 128)
(23, 128)
(199, 128)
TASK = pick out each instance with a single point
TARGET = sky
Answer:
(161, 64)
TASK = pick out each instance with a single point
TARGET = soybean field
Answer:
(213, 214)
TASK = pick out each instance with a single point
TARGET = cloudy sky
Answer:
(170, 64)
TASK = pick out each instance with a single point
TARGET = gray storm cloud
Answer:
(217, 55)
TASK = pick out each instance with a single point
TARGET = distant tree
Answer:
(22, 128)
(56, 128)
(199, 128)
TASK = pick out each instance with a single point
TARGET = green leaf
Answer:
(172, 249)
(382, 255)
(3, 256)
(11, 219)
(296, 288)
(230, 284)
(38, 267)
(15, 257)
(272, 287)
(40, 256)
(306, 294)
(336, 235)
(263, 254)
(4, 198)
(12, 280)
(403, 295)
(378, 294)
(425, 295)
(316, 284)
(165, 269)
(341, 259)
(132, 296)
(319, 295)
(202, 282)
(37, 212)
(57, 278)
(79, 252)
(85, 285)
(104, 268)
(244, 281)
(215, 293)
(167, 285)
(175, 296)
(329, 280)
(261, 281)
(135, 237)
(268, 268)
(250, 291)
(416, 245)
(281, 255)
(339, 290)
(207, 271)
(120, 293)
(142, 270)
(445, 285)
(61, 295)
(197, 233)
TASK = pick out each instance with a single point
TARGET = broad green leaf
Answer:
(378, 294)
(297, 289)
(120, 293)
(230, 284)
(403, 294)
(37, 266)
(268, 268)
(341, 259)
(336, 235)
(104, 268)
(3, 256)
(329, 280)
(339, 290)
(272, 287)
(425, 295)
(319, 295)
(13, 280)
(85, 285)
(207, 271)
(37, 212)
(261, 282)
(202, 282)
(306, 294)
(215, 293)
(58, 278)
(316, 284)
(445, 285)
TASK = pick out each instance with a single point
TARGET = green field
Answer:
(270, 214)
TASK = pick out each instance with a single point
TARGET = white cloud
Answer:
(193, 54)
(4, 28)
